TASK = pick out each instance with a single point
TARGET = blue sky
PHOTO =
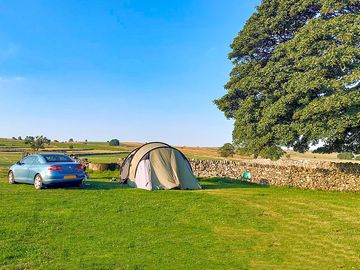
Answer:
(133, 70)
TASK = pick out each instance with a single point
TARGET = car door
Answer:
(22, 170)
(33, 169)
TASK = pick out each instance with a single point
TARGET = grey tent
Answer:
(157, 165)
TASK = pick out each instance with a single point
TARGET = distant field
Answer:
(92, 146)
(105, 158)
(103, 147)
(7, 143)
(228, 225)
(7, 159)
(14, 144)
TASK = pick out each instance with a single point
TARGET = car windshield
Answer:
(57, 158)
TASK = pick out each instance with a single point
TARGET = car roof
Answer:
(55, 154)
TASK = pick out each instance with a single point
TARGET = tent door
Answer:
(143, 175)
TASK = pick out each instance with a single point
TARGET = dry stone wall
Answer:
(301, 174)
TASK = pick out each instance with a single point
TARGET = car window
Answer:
(57, 158)
(35, 161)
(27, 160)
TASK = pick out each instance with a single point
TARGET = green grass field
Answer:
(227, 225)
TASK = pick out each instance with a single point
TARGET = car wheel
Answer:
(38, 182)
(11, 178)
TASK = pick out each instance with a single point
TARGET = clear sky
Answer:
(132, 70)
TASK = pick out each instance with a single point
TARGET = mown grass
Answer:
(228, 225)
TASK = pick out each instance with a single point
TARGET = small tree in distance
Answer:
(71, 140)
(227, 150)
(114, 142)
(37, 142)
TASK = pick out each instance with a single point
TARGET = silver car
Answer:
(45, 169)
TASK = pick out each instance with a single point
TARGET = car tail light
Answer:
(55, 168)
(79, 167)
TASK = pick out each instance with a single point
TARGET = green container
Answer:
(246, 175)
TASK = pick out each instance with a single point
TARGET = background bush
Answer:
(114, 142)
(227, 150)
(345, 155)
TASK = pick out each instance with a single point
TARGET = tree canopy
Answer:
(296, 78)
(37, 142)
(114, 142)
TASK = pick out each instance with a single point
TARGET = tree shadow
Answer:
(107, 175)
(224, 182)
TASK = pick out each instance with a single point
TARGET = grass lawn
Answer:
(227, 225)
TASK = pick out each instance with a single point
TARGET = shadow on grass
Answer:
(206, 183)
(223, 182)
(104, 175)
(103, 185)
(90, 185)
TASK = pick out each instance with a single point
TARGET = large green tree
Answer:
(296, 78)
